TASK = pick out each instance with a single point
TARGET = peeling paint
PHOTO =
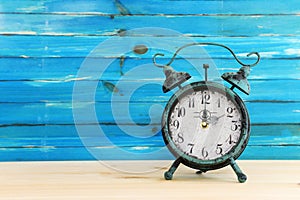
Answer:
(24, 56)
(291, 51)
(31, 8)
(19, 33)
(122, 9)
(110, 86)
(140, 148)
(122, 60)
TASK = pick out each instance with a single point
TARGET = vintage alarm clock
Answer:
(206, 125)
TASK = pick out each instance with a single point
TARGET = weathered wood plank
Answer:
(66, 69)
(187, 7)
(272, 152)
(52, 6)
(45, 143)
(115, 47)
(126, 141)
(81, 153)
(57, 91)
(43, 154)
(64, 131)
(75, 142)
(151, 7)
(79, 25)
(62, 113)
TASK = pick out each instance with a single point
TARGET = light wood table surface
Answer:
(94, 180)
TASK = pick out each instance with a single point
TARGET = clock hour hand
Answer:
(205, 115)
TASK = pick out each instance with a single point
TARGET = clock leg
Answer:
(241, 176)
(169, 174)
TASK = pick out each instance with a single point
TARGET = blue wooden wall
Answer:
(44, 44)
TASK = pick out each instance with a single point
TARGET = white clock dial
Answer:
(205, 123)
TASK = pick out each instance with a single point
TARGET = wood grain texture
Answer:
(46, 91)
(94, 25)
(276, 47)
(180, 7)
(44, 44)
(267, 180)
(51, 68)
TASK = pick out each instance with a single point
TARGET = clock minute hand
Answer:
(220, 116)
(215, 119)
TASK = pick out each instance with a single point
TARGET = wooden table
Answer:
(94, 180)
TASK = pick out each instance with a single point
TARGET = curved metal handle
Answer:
(206, 43)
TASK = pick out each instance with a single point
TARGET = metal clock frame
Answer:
(206, 165)
(237, 80)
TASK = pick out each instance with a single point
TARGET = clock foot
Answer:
(241, 176)
(169, 174)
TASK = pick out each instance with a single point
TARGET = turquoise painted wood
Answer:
(44, 44)
(25, 24)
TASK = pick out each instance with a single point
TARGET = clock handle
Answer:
(203, 44)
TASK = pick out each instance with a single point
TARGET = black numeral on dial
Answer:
(180, 138)
(191, 145)
(230, 112)
(175, 124)
(204, 152)
(235, 126)
(191, 102)
(230, 141)
(181, 112)
(219, 149)
(205, 98)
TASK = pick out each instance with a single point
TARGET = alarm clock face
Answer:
(206, 124)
